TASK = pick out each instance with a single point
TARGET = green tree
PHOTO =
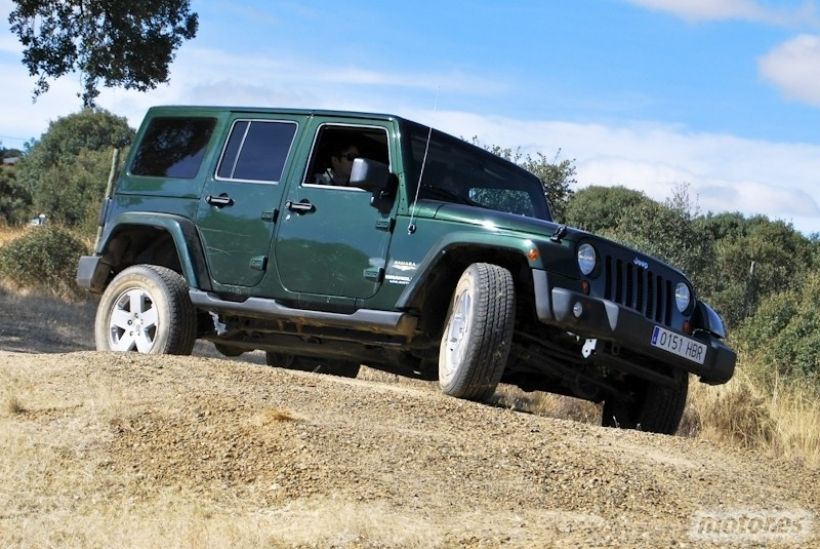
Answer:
(14, 200)
(596, 209)
(755, 260)
(113, 43)
(66, 170)
(783, 337)
(557, 177)
(89, 129)
(71, 191)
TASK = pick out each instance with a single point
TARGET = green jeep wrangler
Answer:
(334, 239)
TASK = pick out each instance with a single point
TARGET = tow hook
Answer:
(589, 348)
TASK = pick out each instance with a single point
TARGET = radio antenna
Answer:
(411, 228)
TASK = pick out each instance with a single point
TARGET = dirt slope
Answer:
(107, 450)
(102, 448)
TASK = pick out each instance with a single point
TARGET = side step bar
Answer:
(367, 320)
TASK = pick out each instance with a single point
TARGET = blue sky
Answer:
(720, 95)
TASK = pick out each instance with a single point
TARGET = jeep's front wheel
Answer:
(655, 408)
(478, 332)
(331, 366)
(146, 308)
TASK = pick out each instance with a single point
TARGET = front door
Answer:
(239, 206)
(332, 242)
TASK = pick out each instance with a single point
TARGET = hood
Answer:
(481, 217)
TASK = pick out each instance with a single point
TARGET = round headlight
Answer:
(682, 296)
(586, 258)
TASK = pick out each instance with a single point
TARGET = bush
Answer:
(45, 258)
(65, 172)
(72, 191)
(783, 336)
(14, 200)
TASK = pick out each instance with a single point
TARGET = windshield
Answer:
(461, 173)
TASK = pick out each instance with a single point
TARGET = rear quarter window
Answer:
(173, 147)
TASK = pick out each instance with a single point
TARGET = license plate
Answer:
(677, 344)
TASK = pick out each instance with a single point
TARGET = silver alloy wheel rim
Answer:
(133, 323)
(456, 337)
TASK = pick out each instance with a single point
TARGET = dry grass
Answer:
(547, 405)
(784, 423)
(12, 406)
(7, 234)
(274, 415)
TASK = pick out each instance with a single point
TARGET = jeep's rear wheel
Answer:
(146, 308)
(656, 408)
(332, 366)
(478, 332)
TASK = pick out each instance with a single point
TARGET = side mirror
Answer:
(371, 176)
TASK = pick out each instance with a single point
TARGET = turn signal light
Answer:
(533, 254)
(585, 287)
(687, 327)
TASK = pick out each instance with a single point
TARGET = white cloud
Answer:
(275, 68)
(726, 173)
(794, 68)
(722, 10)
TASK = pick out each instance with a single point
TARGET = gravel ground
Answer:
(99, 449)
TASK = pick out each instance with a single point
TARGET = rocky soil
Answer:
(126, 450)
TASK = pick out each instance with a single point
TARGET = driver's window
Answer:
(335, 149)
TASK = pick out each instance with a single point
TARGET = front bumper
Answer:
(609, 321)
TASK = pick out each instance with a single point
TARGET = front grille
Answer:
(639, 289)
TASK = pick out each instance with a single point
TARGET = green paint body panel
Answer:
(289, 244)
(327, 252)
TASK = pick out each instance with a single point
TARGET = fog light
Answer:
(578, 309)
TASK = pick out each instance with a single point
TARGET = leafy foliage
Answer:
(784, 335)
(65, 172)
(116, 42)
(557, 177)
(71, 191)
(596, 209)
(754, 258)
(14, 200)
(45, 258)
(665, 231)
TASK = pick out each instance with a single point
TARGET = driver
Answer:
(341, 162)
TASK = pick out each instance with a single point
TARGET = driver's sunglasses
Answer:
(349, 156)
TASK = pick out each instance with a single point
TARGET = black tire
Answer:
(146, 308)
(330, 366)
(655, 409)
(477, 333)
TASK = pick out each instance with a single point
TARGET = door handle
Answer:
(300, 207)
(219, 201)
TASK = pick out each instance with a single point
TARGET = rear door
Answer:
(240, 202)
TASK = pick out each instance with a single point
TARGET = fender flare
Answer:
(454, 242)
(182, 231)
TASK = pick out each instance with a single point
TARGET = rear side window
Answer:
(173, 147)
(256, 150)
